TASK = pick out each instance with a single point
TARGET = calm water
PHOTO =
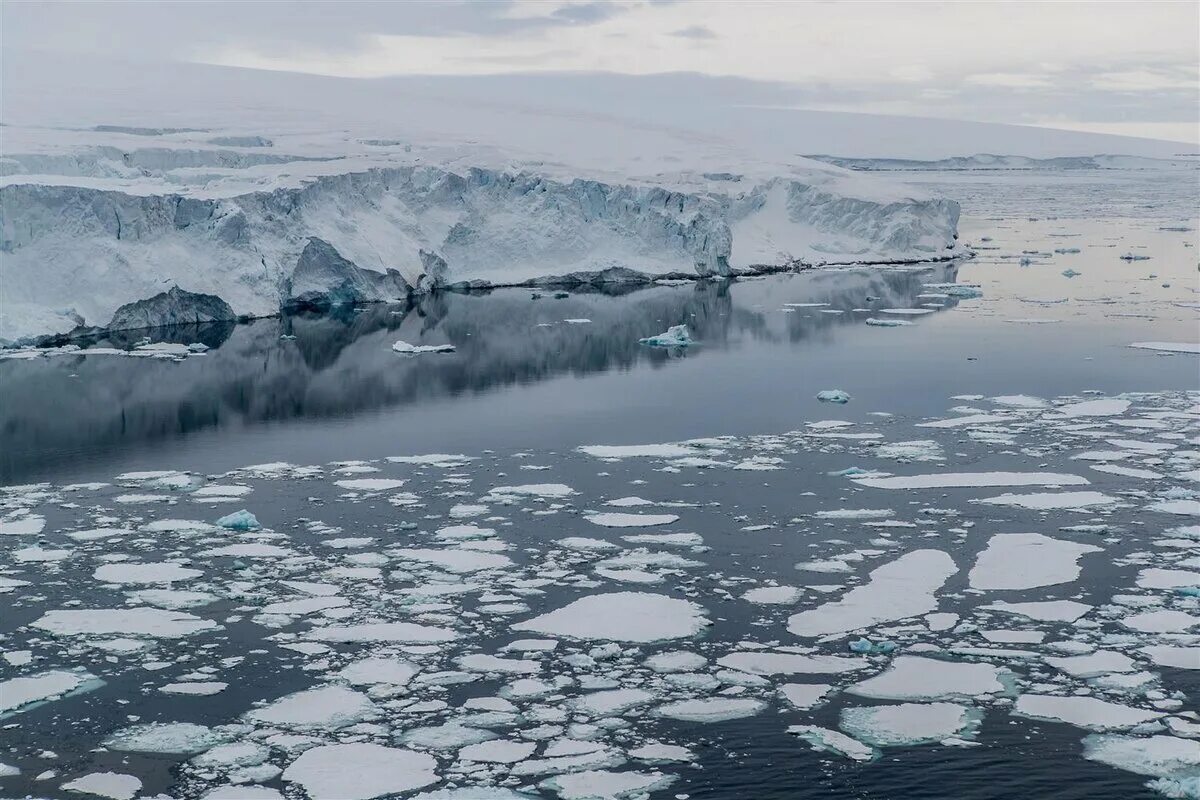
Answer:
(521, 391)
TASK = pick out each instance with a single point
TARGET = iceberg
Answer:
(675, 336)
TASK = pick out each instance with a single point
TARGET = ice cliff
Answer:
(317, 197)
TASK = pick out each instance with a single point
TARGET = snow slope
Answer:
(106, 199)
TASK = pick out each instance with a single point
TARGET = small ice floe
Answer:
(906, 312)
(1014, 561)
(404, 348)
(671, 450)
(759, 662)
(1091, 713)
(833, 396)
(773, 595)
(1043, 610)
(827, 741)
(578, 321)
(805, 696)
(152, 622)
(886, 323)
(1168, 347)
(855, 513)
(711, 709)
(113, 785)
(443, 460)
(370, 484)
(920, 678)
(239, 521)
(674, 336)
(322, 708)
(902, 588)
(637, 617)
(1048, 501)
(1131, 256)
(916, 450)
(1105, 407)
(614, 519)
(360, 771)
(127, 572)
(168, 738)
(18, 694)
(605, 785)
(1070, 273)
(194, 688)
(29, 525)
(960, 480)
(1170, 759)
(908, 724)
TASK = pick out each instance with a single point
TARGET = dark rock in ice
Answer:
(174, 307)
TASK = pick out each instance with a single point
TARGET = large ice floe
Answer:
(361, 198)
(492, 638)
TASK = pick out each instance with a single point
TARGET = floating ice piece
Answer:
(322, 708)
(1027, 560)
(758, 662)
(114, 785)
(658, 753)
(372, 671)
(611, 701)
(1151, 755)
(1170, 656)
(614, 519)
(675, 336)
(195, 688)
(855, 513)
(1083, 712)
(404, 348)
(711, 709)
(164, 572)
(1184, 508)
(917, 450)
(962, 422)
(457, 561)
(887, 323)
(360, 771)
(1104, 407)
(606, 785)
(400, 632)
(1169, 347)
(827, 741)
(445, 460)
(1167, 578)
(897, 590)
(833, 396)
(957, 480)
(909, 724)
(1043, 611)
(154, 622)
(1100, 662)
(670, 450)
(1130, 256)
(30, 525)
(1046, 501)
(1161, 621)
(239, 521)
(919, 678)
(906, 312)
(638, 617)
(553, 490)
(175, 738)
(497, 751)
(18, 693)
(1070, 273)
(773, 595)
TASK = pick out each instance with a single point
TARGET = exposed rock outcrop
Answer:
(173, 307)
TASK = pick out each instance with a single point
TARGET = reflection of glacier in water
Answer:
(341, 363)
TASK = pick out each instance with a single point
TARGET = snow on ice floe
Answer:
(176, 738)
(360, 771)
(113, 785)
(606, 785)
(127, 572)
(956, 480)
(370, 484)
(30, 525)
(671, 450)
(322, 708)
(1172, 760)
(614, 519)
(920, 678)
(16, 694)
(153, 622)
(1168, 347)
(711, 709)
(1106, 407)
(827, 741)
(909, 724)
(401, 632)
(1043, 610)
(1091, 713)
(637, 617)
(1027, 560)
(1049, 501)
(760, 662)
(900, 589)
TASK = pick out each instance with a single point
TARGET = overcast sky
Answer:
(1110, 67)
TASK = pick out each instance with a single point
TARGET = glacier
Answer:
(285, 207)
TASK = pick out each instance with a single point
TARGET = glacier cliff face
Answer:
(72, 254)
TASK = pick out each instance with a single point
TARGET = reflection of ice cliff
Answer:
(341, 363)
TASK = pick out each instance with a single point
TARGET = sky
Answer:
(1106, 67)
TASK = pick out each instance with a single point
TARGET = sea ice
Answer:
(638, 617)
(1027, 560)
(360, 771)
